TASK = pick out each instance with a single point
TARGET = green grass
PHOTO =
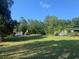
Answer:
(47, 47)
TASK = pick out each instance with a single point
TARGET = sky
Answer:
(39, 9)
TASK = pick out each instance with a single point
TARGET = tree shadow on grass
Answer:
(65, 49)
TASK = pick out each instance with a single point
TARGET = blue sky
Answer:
(38, 9)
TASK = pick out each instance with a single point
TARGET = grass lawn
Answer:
(47, 47)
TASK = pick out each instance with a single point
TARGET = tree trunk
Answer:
(0, 39)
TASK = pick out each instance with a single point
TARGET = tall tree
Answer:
(50, 24)
(75, 21)
(5, 17)
(22, 26)
(36, 27)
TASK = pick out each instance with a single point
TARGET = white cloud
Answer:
(44, 4)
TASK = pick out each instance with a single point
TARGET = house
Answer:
(63, 33)
(18, 34)
(75, 31)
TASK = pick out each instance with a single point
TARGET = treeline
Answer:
(50, 25)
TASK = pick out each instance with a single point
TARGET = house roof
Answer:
(75, 28)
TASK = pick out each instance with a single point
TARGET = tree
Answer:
(5, 17)
(50, 24)
(75, 22)
(22, 26)
(36, 27)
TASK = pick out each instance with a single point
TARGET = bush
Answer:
(22, 38)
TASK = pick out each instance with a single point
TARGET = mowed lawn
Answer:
(46, 47)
